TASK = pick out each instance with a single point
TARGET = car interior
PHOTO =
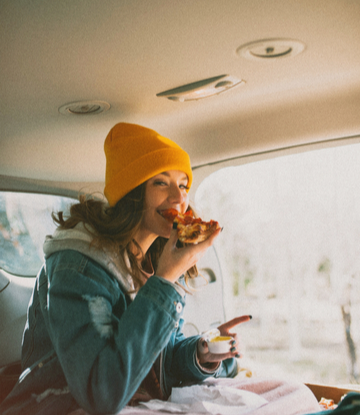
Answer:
(261, 94)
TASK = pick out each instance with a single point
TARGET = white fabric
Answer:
(284, 398)
(209, 399)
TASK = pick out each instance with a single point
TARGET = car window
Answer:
(25, 220)
(290, 256)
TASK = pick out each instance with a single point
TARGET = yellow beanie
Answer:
(134, 154)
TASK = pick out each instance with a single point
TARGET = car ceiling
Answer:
(126, 52)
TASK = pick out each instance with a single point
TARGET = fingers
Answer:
(202, 346)
(234, 322)
(212, 237)
(235, 342)
(196, 251)
(219, 357)
(176, 261)
(203, 351)
(206, 357)
(173, 238)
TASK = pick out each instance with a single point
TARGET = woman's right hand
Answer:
(175, 261)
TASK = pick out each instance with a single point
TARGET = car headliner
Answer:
(125, 52)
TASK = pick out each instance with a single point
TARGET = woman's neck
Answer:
(143, 241)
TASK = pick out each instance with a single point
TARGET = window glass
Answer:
(290, 255)
(25, 220)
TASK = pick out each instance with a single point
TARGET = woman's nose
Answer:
(176, 195)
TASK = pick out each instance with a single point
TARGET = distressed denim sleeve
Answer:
(106, 353)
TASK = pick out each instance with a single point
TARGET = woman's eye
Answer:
(163, 183)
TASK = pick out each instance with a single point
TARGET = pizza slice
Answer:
(191, 230)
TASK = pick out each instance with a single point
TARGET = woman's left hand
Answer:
(211, 360)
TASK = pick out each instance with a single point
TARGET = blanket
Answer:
(280, 398)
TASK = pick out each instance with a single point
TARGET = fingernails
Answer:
(175, 225)
(222, 229)
(232, 349)
(238, 355)
(250, 316)
(233, 343)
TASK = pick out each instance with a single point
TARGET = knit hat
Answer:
(134, 154)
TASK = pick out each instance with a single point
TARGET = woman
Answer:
(104, 322)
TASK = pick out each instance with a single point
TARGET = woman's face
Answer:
(163, 191)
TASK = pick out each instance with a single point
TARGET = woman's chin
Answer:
(165, 233)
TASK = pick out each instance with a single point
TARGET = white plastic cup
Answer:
(217, 344)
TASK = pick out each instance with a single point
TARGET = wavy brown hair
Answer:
(115, 227)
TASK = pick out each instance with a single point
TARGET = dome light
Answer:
(201, 89)
(271, 49)
(84, 108)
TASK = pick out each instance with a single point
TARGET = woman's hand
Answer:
(211, 360)
(174, 261)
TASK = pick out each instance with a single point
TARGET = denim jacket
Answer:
(89, 344)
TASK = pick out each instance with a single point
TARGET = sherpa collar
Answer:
(79, 239)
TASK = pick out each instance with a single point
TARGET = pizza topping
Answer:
(327, 404)
(190, 229)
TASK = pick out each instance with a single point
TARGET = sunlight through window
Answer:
(290, 256)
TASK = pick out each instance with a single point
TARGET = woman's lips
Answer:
(169, 214)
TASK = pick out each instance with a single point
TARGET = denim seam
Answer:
(161, 306)
(82, 264)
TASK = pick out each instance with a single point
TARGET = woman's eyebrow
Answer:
(168, 175)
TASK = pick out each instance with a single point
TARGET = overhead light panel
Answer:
(201, 89)
(270, 49)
